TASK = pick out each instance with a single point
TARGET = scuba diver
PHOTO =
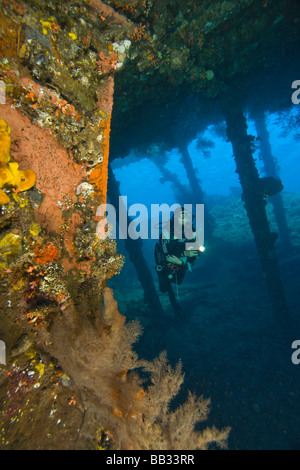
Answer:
(171, 256)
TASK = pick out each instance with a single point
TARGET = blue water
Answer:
(231, 345)
(216, 172)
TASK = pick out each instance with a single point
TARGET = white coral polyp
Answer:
(84, 188)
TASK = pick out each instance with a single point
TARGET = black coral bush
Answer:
(160, 428)
(121, 393)
(144, 412)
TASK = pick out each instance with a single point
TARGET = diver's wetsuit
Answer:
(170, 272)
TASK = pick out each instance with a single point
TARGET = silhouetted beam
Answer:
(134, 248)
(178, 188)
(183, 194)
(196, 187)
(271, 170)
(190, 171)
(255, 204)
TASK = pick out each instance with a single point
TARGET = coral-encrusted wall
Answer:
(59, 110)
(58, 68)
(58, 175)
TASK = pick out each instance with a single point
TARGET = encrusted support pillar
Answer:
(134, 248)
(271, 169)
(255, 204)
